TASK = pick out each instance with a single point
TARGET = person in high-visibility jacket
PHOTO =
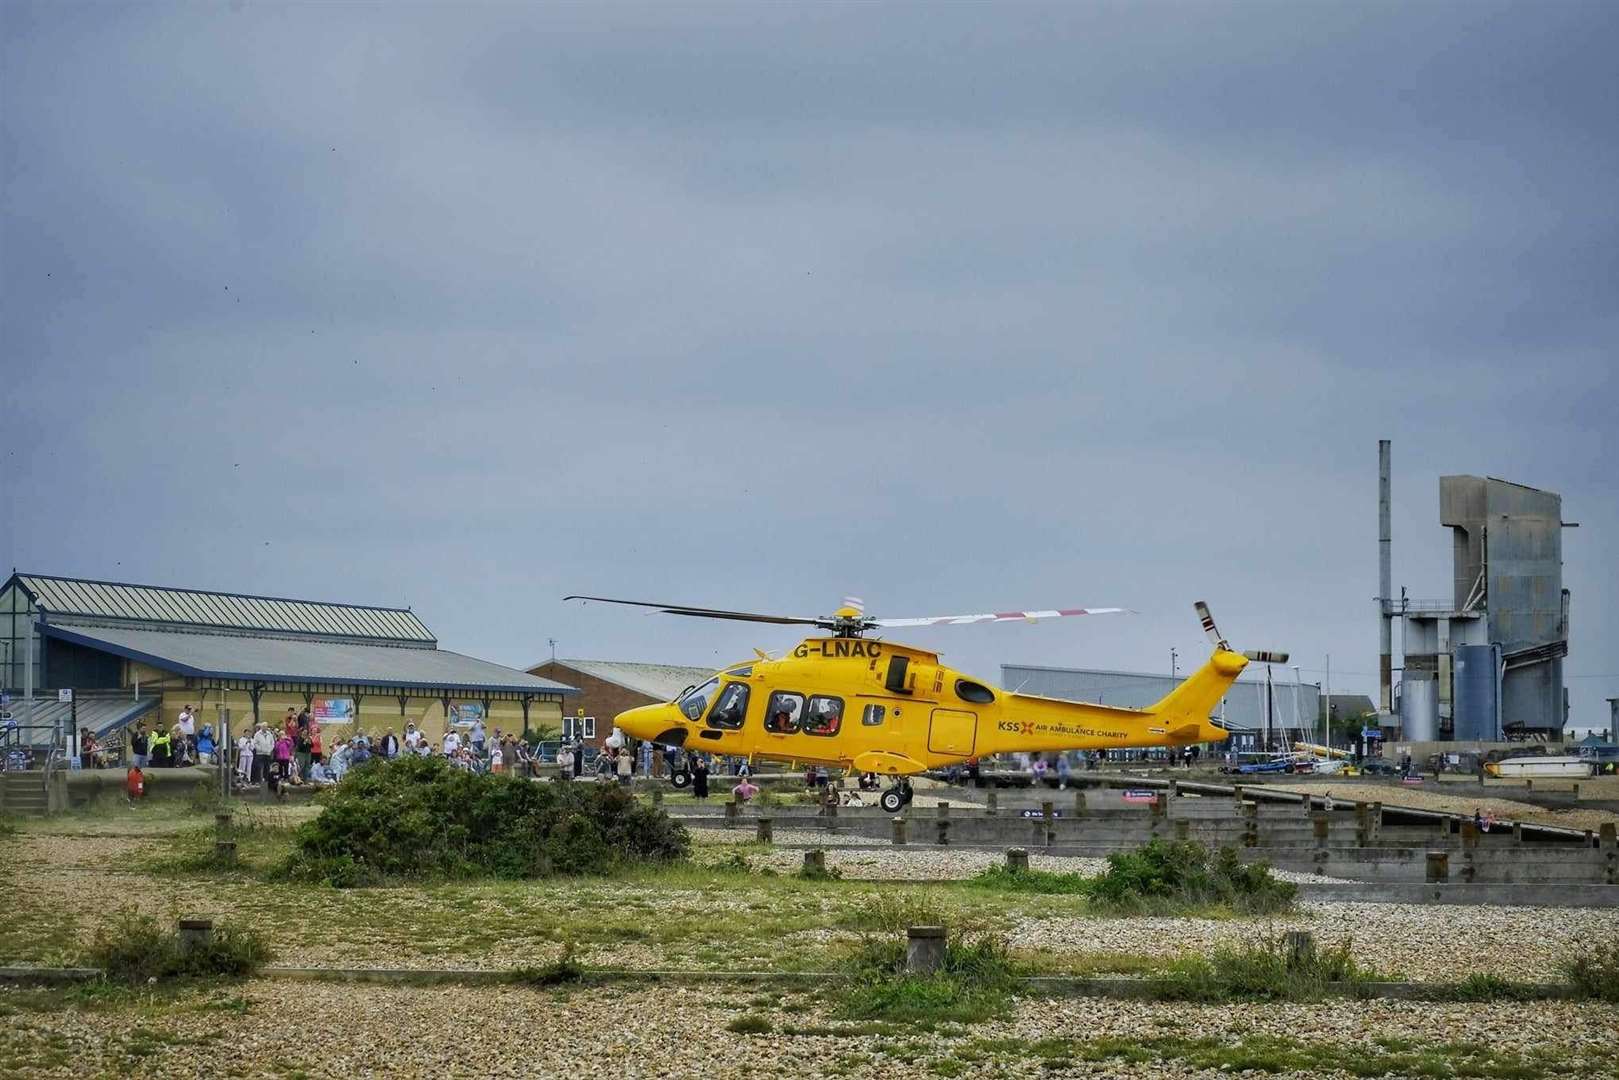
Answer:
(161, 749)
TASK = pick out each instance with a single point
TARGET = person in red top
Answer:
(314, 741)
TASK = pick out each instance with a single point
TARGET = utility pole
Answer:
(1173, 670)
(1327, 702)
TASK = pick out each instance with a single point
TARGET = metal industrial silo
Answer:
(1477, 685)
(1419, 710)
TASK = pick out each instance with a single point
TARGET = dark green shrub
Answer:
(1268, 971)
(1168, 876)
(1595, 974)
(420, 818)
(134, 948)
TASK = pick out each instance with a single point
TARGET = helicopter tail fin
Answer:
(1196, 697)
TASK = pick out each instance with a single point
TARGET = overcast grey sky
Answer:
(953, 307)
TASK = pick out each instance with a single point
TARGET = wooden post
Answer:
(195, 933)
(943, 809)
(730, 814)
(1250, 824)
(657, 796)
(1299, 946)
(1319, 824)
(899, 830)
(1048, 810)
(1438, 866)
(1183, 829)
(1174, 789)
(943, 825)
(924, 949)
(1607, 836)
(764, 832)
(1079, 804)
(815, 863)
(990, 801)
(1017, 859)
(1517, 832)
(1469, 834)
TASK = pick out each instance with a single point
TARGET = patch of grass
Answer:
(973, 984)
(1264, 972)
(751, 1024)
(135, 948)
(1594, 974)
(1173, 877)
(1252, 1052)
(564, 969)
(1048, 882)
(1482, 987)
(891, 913)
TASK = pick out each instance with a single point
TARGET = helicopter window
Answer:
(695, 701)
(786, 708)
(977, 693)
(731, 707)
(823, 715)
(872, 715)
(742, 672)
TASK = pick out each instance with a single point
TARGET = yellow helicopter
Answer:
(879, 707)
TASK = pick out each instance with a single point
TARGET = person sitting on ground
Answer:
(320, 773)
(745, 790)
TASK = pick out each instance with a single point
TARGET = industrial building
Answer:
(1259, 714)
(125, 651)
(1486, 664)
(608, 687)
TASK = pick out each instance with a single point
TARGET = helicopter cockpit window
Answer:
(742, 672)
(695, 701)
(786, 708)
(823, 715)
(731, 708)
(872, 715)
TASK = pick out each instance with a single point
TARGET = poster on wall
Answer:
(332, 710)
(466, 713)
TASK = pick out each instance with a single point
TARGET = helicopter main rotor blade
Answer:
(998, 616)
(706, 613)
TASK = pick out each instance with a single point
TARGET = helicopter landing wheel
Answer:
(892, 800)
(679, 780)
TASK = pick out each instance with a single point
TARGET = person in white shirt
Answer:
(452, 741)
(244, 758)
(263, 746)
(412, 736)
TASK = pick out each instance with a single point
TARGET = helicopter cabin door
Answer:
(953, 731)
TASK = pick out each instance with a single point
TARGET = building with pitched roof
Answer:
(358, 667)
(608, 687)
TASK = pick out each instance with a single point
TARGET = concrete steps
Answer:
(22, 793)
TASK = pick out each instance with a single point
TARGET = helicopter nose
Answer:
(654, 723)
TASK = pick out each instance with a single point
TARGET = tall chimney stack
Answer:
(1385, 584)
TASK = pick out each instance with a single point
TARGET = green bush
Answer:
(1268, 971)
(135, 948)
(422, 819)
(1170, 876)
(1595, 974)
